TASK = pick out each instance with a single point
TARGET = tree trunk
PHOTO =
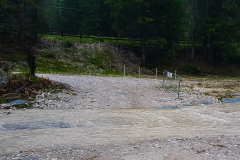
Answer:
(143, 43)
(194, 8)
(143, 51)
(31, 62)
(193, 49)
(211, 52)
(205, 47)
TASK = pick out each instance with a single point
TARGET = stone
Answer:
(3, 78)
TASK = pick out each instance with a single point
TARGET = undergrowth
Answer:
(26, 86)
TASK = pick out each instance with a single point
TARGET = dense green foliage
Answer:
(211, 28)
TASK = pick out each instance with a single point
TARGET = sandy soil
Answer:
(120, 118)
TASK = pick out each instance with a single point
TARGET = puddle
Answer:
(32, 158)
(17, 102)
(231, 100)
(119, 94)
(167, 107)
(188, 105)
(206, 102)
(35, 125)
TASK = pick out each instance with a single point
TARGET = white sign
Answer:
(169, 74)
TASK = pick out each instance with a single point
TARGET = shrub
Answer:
(98, 39)
(49, 54)
(192, 69)
(68, 43)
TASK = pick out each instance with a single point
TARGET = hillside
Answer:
(72, 56)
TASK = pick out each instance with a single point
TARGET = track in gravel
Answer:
(112, 111)
(118, 92)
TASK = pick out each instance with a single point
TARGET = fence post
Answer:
(99, 35)
(163, 79)
(62, 32)
(156, 73)
(175, 74)
(139, 72)
(116, 38)
(124, 69)
(179, 86)
(80, 34)
(204, 86)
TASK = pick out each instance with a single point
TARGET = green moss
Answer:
(2, 100)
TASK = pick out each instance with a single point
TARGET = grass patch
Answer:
(206, 94)
(59, 69)
(110, 72)
(49, 54)
(15, 58)
(53, 91)
(2, 100)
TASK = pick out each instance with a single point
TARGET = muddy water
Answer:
(43, 129)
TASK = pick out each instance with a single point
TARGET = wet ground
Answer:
(86, 128)
(158, 131)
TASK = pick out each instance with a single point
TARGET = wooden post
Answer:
(156, 73)
(204, 86)
(175, 74)
(80, 34)
(99, 35)
(139, 72)
(62, 32)
(124, 69)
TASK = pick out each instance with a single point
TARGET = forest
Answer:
(206, 30)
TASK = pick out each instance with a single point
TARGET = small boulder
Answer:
(3, 78)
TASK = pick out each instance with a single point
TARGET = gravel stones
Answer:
(94, 92)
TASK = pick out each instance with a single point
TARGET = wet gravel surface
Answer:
(221, 147)
(110, 118)
(116, 92)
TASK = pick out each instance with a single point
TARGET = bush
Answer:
(49, 54)
(192, 69)
(98, 39)
(68, 44)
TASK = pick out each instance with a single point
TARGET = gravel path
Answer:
(120, 118)
(117, 92)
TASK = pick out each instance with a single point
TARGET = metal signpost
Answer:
(170, 83)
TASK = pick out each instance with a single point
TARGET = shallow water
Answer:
(32, 125)
(206, 102)
(231, 100)
(166, 107)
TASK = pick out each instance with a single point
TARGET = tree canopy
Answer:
(213, 26)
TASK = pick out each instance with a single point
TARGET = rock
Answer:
(3, 78)
(3, 105)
